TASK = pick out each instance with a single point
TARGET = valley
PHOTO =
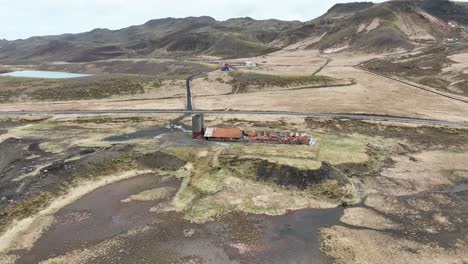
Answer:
(104, 169)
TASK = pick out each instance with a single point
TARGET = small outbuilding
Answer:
(250, 64)
(225, 67)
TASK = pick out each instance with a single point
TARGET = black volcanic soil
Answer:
(161, 160)
(290, 176)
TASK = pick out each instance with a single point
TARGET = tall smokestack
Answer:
(198, 126)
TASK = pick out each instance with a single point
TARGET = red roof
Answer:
(216, 132)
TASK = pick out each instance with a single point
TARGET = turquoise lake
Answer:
(45, 74)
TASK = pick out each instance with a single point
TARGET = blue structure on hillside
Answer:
(225, 68)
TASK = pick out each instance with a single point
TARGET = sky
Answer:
(25, 18)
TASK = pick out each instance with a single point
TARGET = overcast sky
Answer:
(26, 18)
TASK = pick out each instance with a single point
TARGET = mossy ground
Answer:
(223, 178)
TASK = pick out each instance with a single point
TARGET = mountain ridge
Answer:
(360, 26)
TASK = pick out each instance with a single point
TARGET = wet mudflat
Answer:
(168, 238)
(97, 216)
(235, 238)
(294, 237)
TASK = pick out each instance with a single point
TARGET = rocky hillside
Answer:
(160, 38)
(390, 26)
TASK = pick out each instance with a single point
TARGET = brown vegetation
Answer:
(17, 89)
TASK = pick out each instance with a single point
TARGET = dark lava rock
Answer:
(160, 160)
(290, 176)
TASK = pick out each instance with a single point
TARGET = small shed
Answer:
(250, 64)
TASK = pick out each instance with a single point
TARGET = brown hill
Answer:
(169, 37)
(390, 26)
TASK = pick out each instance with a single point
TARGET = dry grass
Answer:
(243, 82)
(304, 157)
(23, 89)
(348, 245)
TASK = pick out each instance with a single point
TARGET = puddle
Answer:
(291, 238)
(295, 238)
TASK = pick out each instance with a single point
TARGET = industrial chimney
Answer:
(198, 126)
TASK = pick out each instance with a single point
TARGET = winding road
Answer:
(189, 105)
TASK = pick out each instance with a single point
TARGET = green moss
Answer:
(42, 126)
(239, 167)
(271, 209)
(435, 82)
(331, 189)
(205, 209)
(24, 208)
(186, 195)
(210, 182)
(337, 150)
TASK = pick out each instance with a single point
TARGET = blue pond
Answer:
(44, 74)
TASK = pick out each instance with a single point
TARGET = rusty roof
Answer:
(217, 132)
